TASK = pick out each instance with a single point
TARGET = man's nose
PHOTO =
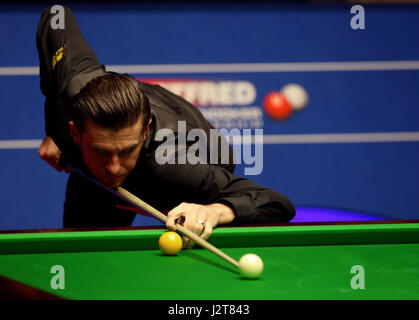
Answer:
(113, 167)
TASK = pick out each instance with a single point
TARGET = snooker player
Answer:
(105, 124)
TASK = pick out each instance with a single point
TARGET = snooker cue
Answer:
(137, 202)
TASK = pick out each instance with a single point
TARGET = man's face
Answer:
(109, 154)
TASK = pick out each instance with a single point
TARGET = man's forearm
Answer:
(64, 54)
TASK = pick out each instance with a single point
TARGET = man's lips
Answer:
(112, 180)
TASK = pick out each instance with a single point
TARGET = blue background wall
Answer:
(376, 178)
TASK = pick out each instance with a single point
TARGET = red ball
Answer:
(276, 105)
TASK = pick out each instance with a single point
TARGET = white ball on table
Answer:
(250, 266)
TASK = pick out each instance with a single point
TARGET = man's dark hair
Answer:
(112, 101)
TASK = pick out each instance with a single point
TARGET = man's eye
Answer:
(101, 152)
(127, 151)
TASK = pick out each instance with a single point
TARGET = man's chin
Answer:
(112, 183)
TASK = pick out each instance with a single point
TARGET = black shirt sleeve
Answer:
(205, 184)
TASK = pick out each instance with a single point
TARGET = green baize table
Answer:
(375, 260)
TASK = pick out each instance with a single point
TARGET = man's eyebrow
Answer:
(131, 147)
(128, 148)
(98, 148)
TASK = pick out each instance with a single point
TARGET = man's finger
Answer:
(173, 215)
(206, 233)
(185, 242)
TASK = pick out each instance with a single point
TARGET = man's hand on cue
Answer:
(49, 152)
(200, 219)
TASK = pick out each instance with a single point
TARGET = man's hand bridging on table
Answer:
(200, 219)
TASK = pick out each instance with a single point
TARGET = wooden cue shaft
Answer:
(128, 196)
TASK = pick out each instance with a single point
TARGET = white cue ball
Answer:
(296, 95)
(250, 266)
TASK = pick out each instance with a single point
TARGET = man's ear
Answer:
(148, 127)
(74, 132)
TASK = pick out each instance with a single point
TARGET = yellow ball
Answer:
(170, 243)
